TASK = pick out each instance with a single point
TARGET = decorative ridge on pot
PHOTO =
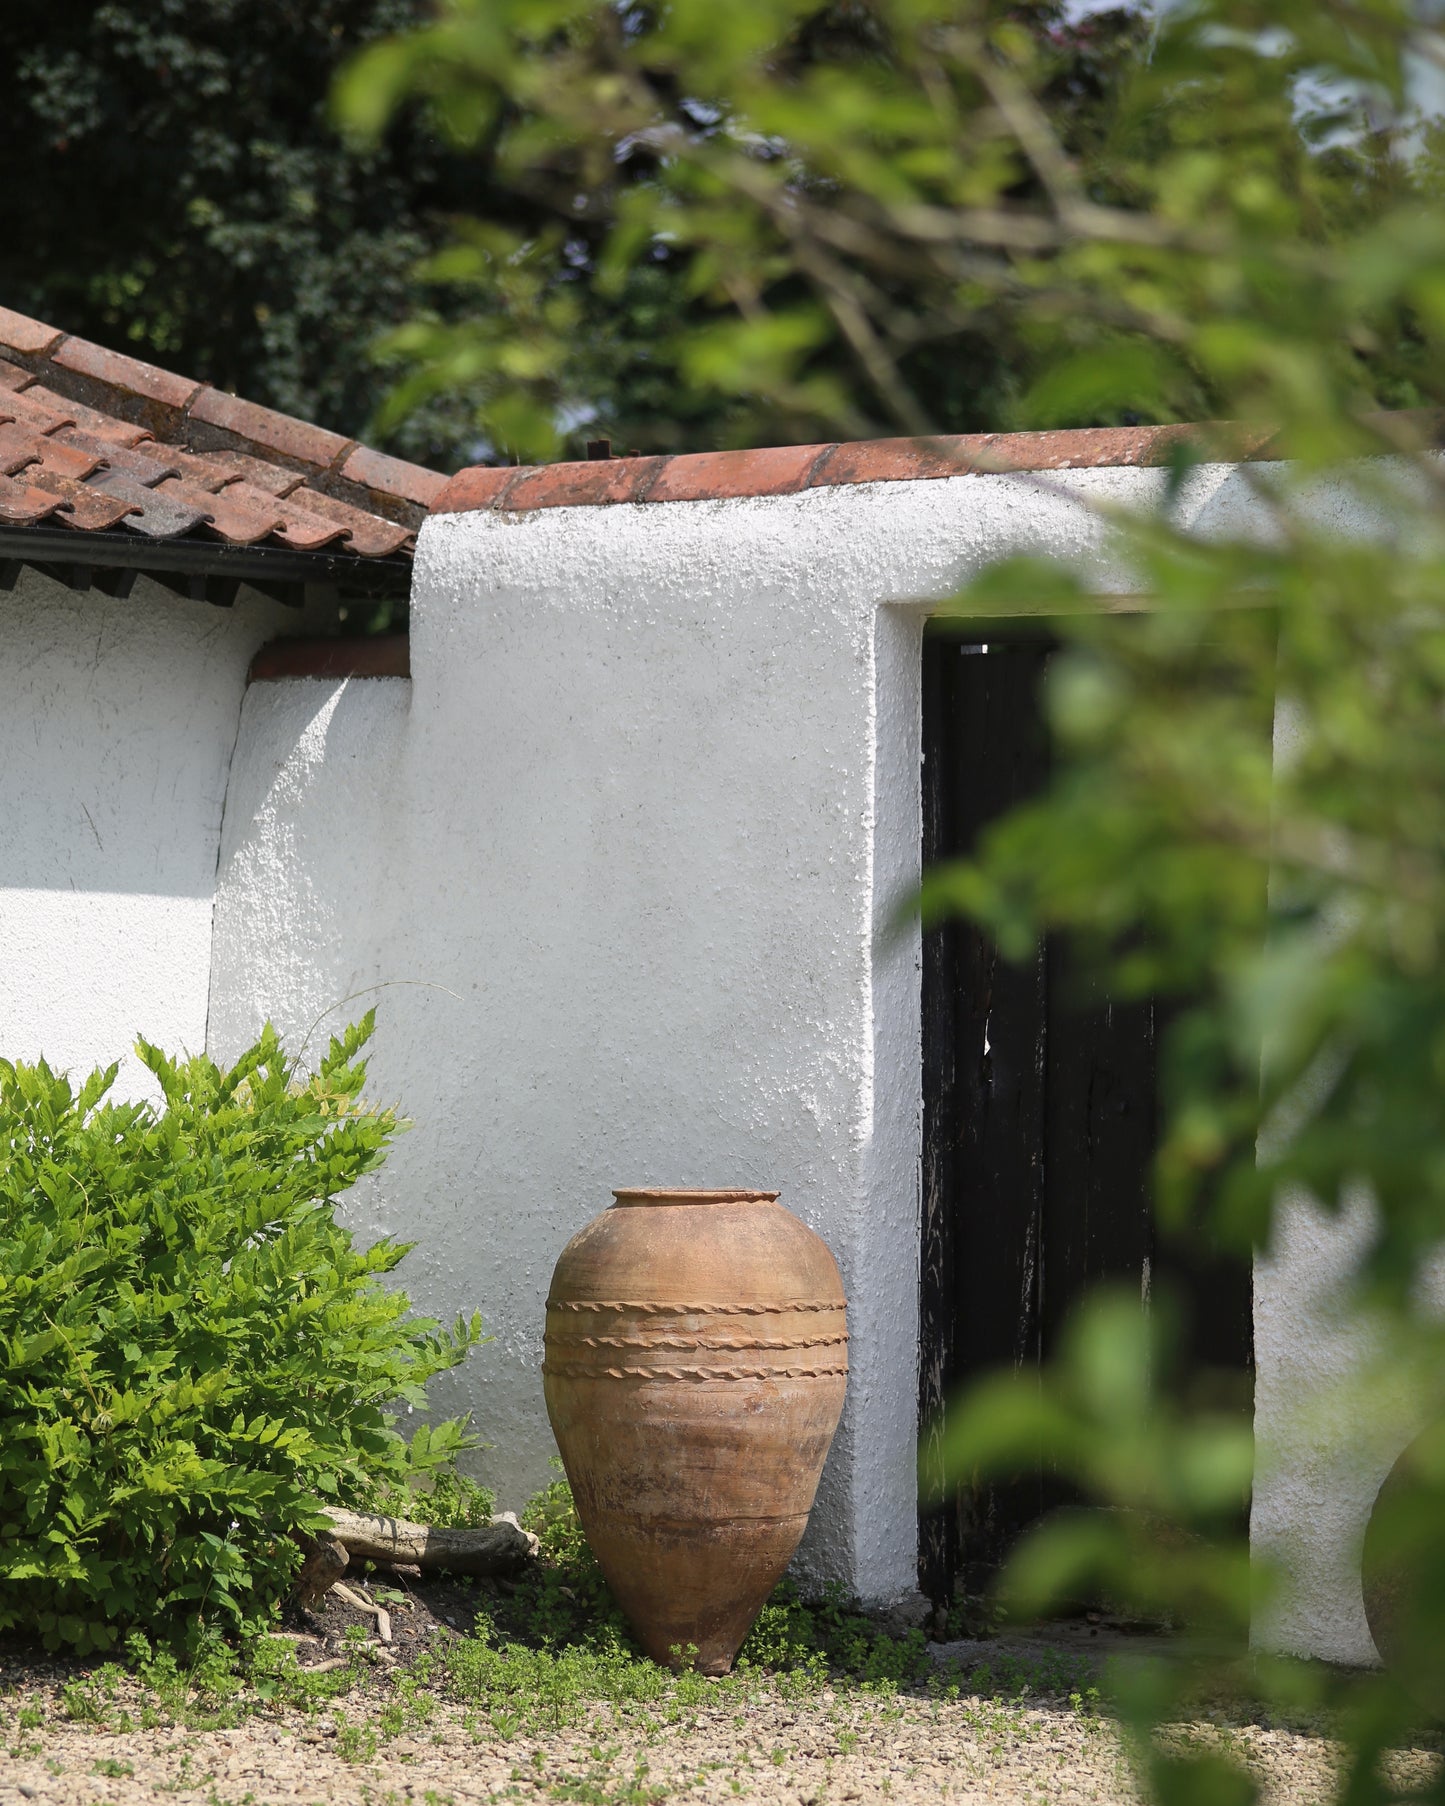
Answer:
(665, 1194)
(694, 1373)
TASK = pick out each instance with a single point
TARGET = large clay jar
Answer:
(696, 1359)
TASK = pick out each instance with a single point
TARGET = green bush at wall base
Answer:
(194, 1358)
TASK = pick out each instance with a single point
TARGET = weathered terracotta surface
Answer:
(695, 1369)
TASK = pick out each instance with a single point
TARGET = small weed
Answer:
(84, 1700)
(355, 1742)
(31, 1718)
(112, 1770)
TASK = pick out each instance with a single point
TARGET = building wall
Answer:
(618, 868)
(117, 721)
(625, 854)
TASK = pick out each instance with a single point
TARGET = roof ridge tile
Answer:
(789, 469)
(131, 375)
(32, 338)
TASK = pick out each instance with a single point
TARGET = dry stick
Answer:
(379, 1612)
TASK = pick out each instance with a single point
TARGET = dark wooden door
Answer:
(1040, 1119)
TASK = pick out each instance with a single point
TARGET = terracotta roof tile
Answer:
(203, 470)
(598, 480)
(483, 486)
(377, 655)
(91, 438)
(18, 448)
(88, 419)
(23, 406)
(393, 477)
(147, 463)
(157, 516)
(22, 505)
(62, 459)
(895, 460)
(299, 528)
(779, 470)
(86, 509)
(128, 374)
(371, 537)
(28, 336)
(276, 479)
(233, 518)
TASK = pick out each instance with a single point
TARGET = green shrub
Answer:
(434, 1490)
(194, 1357)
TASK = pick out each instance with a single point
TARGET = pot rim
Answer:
(633, 1197)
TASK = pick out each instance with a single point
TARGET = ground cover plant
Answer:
(197, 1358)
(533, 1689)
(546, 1651)
(552, 1653)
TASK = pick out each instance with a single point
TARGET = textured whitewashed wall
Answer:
(623, 854)
(117, 721)
(626, 850)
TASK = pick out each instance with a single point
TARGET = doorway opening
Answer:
(1040, 1121)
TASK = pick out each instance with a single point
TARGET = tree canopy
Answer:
(186, 199)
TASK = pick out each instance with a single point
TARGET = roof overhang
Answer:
(197, 569)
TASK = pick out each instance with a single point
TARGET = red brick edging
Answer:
(378, 655)
(787, 469)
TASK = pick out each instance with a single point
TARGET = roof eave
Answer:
(209, 570)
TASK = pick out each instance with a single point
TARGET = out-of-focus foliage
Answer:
(600, 257)
(927, 188)
(1248, 813)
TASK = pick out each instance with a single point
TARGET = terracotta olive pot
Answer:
(696, 1359)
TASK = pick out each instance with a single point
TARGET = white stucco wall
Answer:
(616, 867)
(625, 850)
(117, 721)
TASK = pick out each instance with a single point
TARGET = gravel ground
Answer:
(72, 1738)
(773, 1750)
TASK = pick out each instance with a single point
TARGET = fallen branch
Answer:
(498, 1547)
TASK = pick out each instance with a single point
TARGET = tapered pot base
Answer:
(692, 1591)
